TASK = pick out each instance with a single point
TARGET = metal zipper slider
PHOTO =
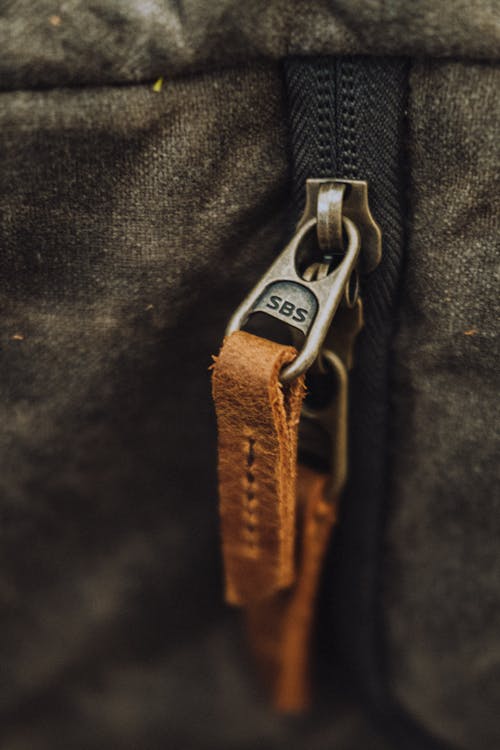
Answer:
(306, 295)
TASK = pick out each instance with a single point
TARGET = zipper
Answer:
(312, 288)
(347, 119)
(276, 514)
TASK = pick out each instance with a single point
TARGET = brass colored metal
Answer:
(309, 306)
(316, 271)
(344, 332)
(338, 356)
(322, 303)
(356, 208)
(329, 212)
(334, 420)
(352, 289)
(308, 303)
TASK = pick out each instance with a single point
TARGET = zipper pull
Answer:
(277, 515)
(305, 286)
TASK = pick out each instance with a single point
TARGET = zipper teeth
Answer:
(326, 125)
(337, 154)
(345, 113)
(372, 90)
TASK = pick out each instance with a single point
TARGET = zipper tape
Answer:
(347, 118)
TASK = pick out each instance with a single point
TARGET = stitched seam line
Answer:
(250, 501)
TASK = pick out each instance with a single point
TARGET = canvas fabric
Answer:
(108, 42)
(442, 568)
(132, 223)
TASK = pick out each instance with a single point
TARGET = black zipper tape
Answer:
(347, 120)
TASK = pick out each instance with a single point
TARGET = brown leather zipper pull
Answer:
(257, 419)
(275, 534)
(276, 517)
(280, 630)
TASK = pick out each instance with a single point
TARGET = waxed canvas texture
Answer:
(441, 568)
(132, 222)
(111, 42)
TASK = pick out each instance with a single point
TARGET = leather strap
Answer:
(257, 421)
(272, 521)
(280, 630)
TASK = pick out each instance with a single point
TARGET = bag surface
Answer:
(134, 219)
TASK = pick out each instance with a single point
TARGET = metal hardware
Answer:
(329, 212)
(306, 305)
(344, 332)
(307, 301)
(321, 305)
(356, 208)
(316, 271)
(332, 420)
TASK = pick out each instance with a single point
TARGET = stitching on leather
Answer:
(250, 501)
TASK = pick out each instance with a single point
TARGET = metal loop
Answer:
(329, 214)
(327, 307)
(306, 305)
(316, 271)
(352, 289)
